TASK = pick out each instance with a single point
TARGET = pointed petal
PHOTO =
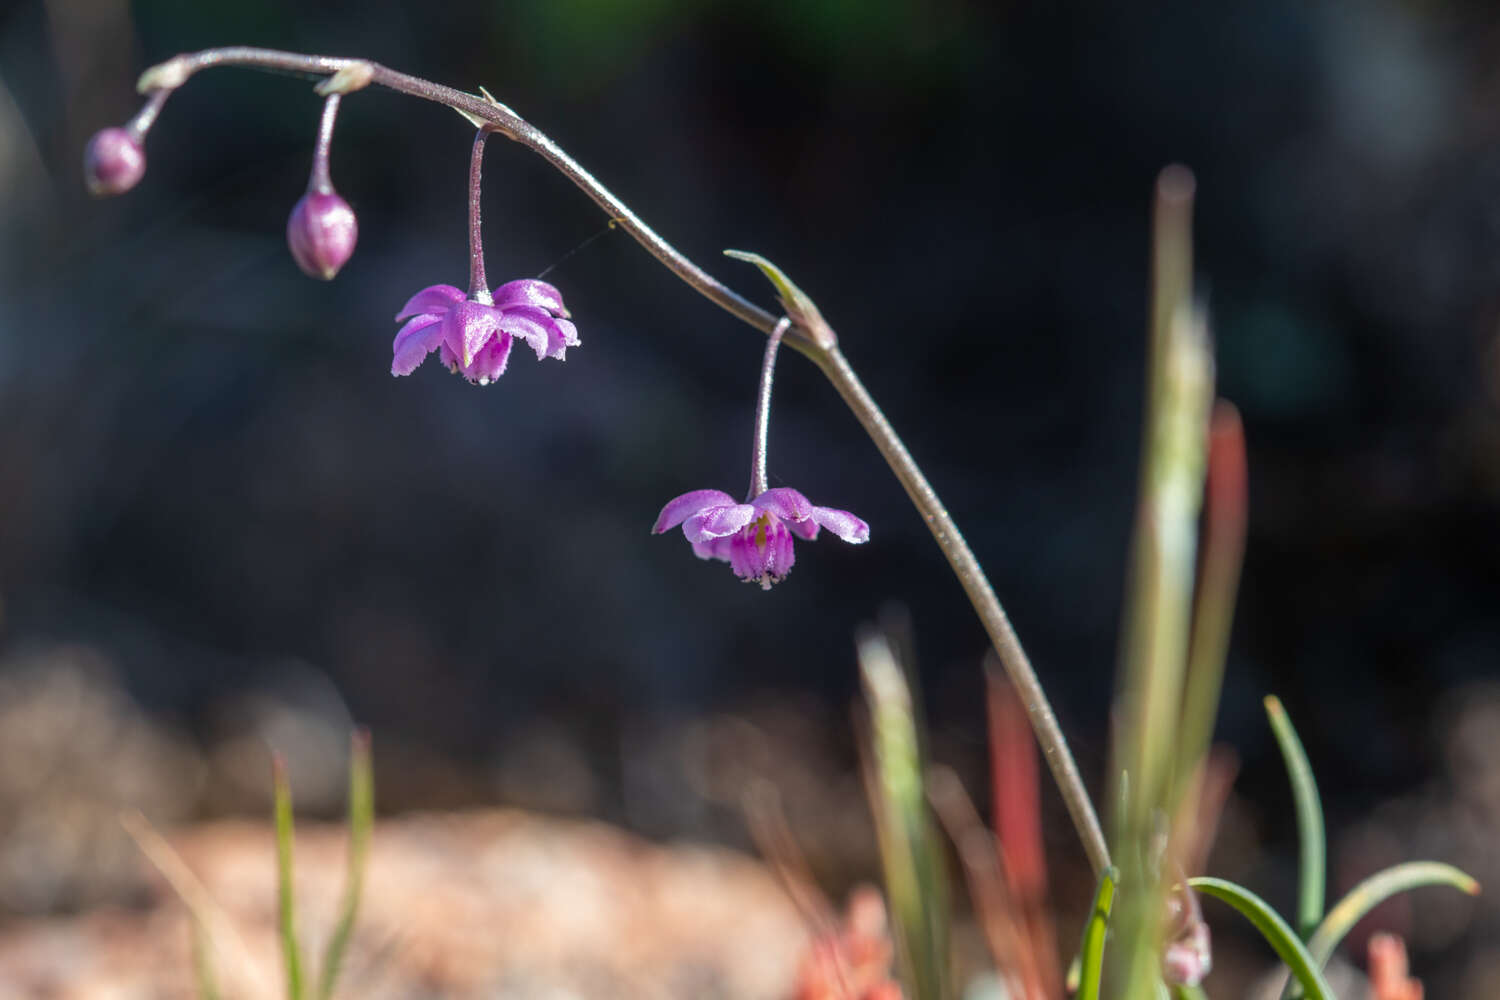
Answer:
(489, 363)
(432, 299)
(679, 509)
(530, 292)
(842, 523)
(447, 357)
(414, 341)
(570, 333)
(786, 503)
(715, 522)
(467, 327)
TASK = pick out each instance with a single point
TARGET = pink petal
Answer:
(414, 341)
(714, 548)
(780, 554)
(467, 327)
(529, 292)
(747, 562)
(489, 363)
(679, 509)
(531, 325)
(412, 327)
(785, 503)
(842, 523)
(803, 529)
(432, 299)
(715, 522)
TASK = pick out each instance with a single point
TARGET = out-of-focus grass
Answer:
(916, 879)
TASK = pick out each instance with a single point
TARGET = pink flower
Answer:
(473, 334)
(755, 537)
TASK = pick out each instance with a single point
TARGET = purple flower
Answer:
(113, 162)
(755, 537)
(321, 233)
(473, 334)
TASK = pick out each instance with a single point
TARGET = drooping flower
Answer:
(755, 537)
(473, 334)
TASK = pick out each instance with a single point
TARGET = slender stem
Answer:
(977, 586)
(828, 358)
(479, 289)
(319, 182)
(758, 483)
(141, 122)
(512, 126)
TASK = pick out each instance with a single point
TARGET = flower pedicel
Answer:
(473, 332)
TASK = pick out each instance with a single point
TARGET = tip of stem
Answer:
(1176, 184)
(1273, 705)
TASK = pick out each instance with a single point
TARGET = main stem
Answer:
(828, 358)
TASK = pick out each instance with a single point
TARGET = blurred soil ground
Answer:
(478, 904)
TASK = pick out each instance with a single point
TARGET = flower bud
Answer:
(321, 234)
(113, 162)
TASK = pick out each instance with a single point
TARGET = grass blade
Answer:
(1221, 554)
(282, 808)
(203, 965)
(909, 850)
(1275, 930)
(1091, 954)
(1311, 869)
(361, 821)
(1377, 889)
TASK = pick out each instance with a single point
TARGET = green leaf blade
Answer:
(361, 822)
(1091, 954)
(1377, 889)
(1275, 930)
(1312, 865)
(286, 925)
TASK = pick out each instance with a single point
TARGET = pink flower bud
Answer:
(321, 233)
(113, 162)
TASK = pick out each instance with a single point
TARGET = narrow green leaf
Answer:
(1274, 930)
(282, 796)
(1185, 992)
(1375, 890)
(203, 964)
(916, 880)
(1311, 870)
(1091, 953)
(797, 303)
(361, 822)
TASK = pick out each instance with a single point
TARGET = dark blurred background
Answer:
(214, 493)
